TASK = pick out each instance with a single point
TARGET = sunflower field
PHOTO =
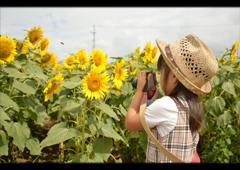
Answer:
(86, 101)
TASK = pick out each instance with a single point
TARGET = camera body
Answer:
(153, 82)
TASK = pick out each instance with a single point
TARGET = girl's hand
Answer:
(142, 80)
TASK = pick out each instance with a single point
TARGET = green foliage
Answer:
(220, 137)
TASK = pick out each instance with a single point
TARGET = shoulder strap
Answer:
(165, 151)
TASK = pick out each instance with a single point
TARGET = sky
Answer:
(120, 30)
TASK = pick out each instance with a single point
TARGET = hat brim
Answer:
(206, 88)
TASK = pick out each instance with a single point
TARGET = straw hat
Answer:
(191, 61)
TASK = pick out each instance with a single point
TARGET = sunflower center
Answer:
(130, 68)
(94, 84)
(118, 73)
(19, 45)
(5, 50)
(53, 87)
(44, 45)
(82, 60)
(46, 58)
(97, 60)
(34, 36)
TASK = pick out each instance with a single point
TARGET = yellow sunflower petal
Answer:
(82, 58)
(120, 74)
(68, 62)
(95, 85)
(34, 35)
(99, 59)
(7, 49)
(52, 86)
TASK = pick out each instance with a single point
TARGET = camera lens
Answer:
(134, 83)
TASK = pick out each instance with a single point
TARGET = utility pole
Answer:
(93, 36)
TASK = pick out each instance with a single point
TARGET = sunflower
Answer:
(95, 85)
(7, 49)
(137, 51)
(147, 52)
(52, 86)
(99, 59)
(148, 47)
(23, 47)
(57, 67)
(132, 71)
(82, 58)
(234, 49)
(68, 62)
(153, 54)
(120, 74)
(54, 61)
(34, 35)
(43, 45)
(47, 58)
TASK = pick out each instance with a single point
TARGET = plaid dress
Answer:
(179, 141)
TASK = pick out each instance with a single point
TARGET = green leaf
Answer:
(3, 143)
(41, 76)
(102, 147)
(107, 109)
(126, 88)
(215, 106)
(70, 107)
(5, 100)
(123, 110)
(229, 87)
(237, 82)
(7, 62)
(127, 101)
(133, 135)
(13, 72)
(97, 159)
(143, 140)
(21, 57)
(20, 133)
(58, 133)
(3, 116)
(107, 131)
(33, 145)
(224, 118)
(32, 68)
(28, 86)
(236, 106)
(63, 91)
(71, 83)
(215, 80)
(92, 125)
(227, 67)
(34, 108)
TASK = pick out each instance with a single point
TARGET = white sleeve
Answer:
(163, 114)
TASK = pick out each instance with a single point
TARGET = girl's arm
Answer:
(132, 122)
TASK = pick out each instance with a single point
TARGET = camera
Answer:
(152, 88)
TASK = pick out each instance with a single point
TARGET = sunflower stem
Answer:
(84, 117)
(74, 93)
(99, 121)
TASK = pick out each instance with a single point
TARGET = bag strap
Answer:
(165, 151)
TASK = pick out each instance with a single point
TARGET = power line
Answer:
(93, 36)
(100, 26)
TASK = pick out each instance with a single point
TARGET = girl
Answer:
(186, 66)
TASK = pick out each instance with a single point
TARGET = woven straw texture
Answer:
(195, 60)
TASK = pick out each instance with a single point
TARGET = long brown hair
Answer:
(195, 106)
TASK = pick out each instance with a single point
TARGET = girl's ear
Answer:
(174, 78)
